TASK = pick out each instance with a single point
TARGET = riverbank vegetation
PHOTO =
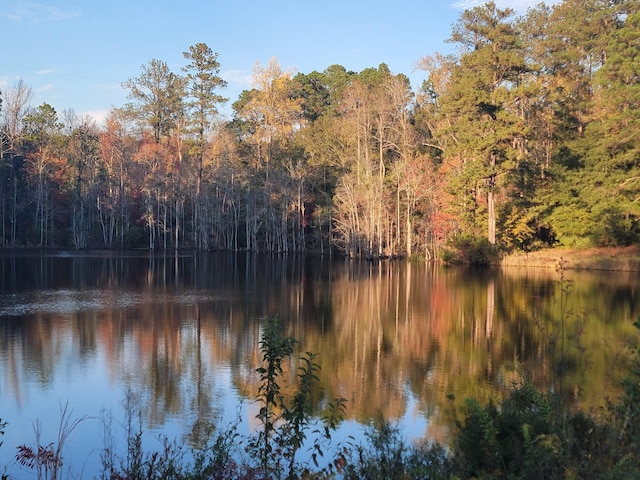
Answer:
(522, 139)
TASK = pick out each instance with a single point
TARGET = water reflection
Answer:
(395, 337)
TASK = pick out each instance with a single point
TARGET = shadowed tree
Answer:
(613, 161)
(15, 106)
(114, 203)
(43, 139)
(158, 96)
(269, 116)
(202, 83)
(82, 149)
(486, 133)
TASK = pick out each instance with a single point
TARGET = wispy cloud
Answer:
(519, 6)
(238, 77)
(47, 71)
(35, 12)
(45, 88)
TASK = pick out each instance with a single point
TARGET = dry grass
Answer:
(625, 259)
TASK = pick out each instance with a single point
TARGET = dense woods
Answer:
(525, 138)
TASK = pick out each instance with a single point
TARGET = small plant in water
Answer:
(47, 460)
(285, 426)
(165, 463)
(562, 334)
(3, 425)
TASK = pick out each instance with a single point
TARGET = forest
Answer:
(526, 138)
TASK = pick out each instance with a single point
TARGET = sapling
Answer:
(285, 425)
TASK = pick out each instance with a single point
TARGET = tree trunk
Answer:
(491, 205)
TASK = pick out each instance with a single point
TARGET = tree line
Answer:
(525, 138)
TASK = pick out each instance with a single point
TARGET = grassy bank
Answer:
(619, 259)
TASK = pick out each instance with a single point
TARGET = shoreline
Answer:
(623, 259)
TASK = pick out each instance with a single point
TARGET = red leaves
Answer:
(44, 457)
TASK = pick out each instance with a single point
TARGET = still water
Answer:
(180, 334)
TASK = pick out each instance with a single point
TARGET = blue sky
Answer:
(75, 54)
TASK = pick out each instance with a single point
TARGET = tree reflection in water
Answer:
(392, 337)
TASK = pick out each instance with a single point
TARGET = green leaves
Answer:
(42, 125)
(481, 102)
(285, 425)
(157, 96)
(203, 81)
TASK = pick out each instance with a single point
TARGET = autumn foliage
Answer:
(524, 138)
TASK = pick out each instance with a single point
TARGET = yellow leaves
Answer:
(272, 109)
(519, 226)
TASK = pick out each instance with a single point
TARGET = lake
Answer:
(180, 335)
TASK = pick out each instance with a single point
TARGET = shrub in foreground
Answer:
(386, 455)
(529, 435)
